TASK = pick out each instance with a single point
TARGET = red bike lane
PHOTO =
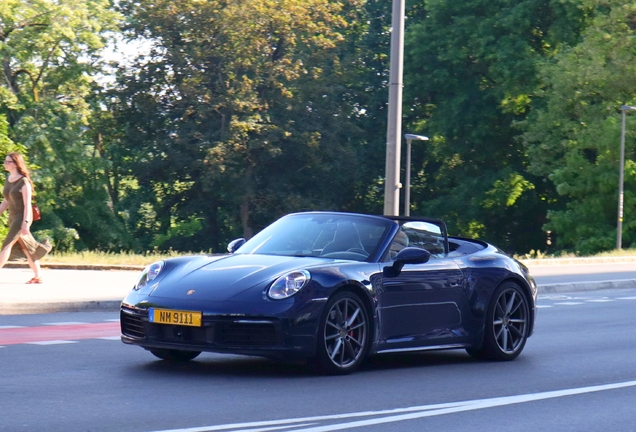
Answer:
(63, 332)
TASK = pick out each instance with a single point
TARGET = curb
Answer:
(57, 307)
(588, 286)
(113, 305)
(137, 267)
(576, 261)
(62, 266)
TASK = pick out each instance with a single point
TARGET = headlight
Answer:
(288, 285)
(149, 273)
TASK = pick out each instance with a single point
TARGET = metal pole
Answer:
(407, 189)
(394, 129)
(619, 228)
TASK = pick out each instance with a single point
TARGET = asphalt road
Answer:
(577, 373)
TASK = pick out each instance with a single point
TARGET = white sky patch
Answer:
(123, 52)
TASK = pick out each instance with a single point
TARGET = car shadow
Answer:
(417, 360)
(254, 367)
(230, 365)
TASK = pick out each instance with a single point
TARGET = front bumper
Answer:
(275, 337)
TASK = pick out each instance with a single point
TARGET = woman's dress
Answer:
(13, 196)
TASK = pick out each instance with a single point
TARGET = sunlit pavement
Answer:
(63, 290)
(75, 288)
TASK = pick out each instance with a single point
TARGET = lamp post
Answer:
(619, 227)
(407, 189)
(394, 121)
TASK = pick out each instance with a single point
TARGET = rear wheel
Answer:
(175, 355)
(507, 325)
(343, 335)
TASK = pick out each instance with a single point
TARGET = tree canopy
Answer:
(240, 111)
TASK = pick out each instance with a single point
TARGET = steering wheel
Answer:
(359, 251)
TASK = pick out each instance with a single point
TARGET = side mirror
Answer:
(409, 255)
(234, 245)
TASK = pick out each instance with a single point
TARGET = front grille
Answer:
(246, 334)
(181, 334)
(132, 325)
(215, 331)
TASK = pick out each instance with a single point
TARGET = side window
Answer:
(400, 241)
(426, 236)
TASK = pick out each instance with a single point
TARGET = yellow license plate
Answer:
(175, 317)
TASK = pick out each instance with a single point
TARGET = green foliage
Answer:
(6, 146)
(62, 239)
(242, 111)
(470, 77)
(237, 116)
(50, 60)
(574, 136)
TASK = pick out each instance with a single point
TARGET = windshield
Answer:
(328, 235)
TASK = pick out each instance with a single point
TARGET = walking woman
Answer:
(17, 194)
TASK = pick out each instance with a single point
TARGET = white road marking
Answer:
(626, 298)
(53, 342)
(410, 413)
(10, 327)
(569, 303)
(543, 306)
(64, 323)
(599, 301)
(113, 338)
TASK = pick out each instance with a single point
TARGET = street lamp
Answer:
(394, 120)
(619, 228)
(407, 190)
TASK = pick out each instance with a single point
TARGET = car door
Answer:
(424, 304)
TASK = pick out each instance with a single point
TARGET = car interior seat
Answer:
(345, 237)
(400, 241)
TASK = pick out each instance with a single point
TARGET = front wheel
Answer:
(175, 355)
(507, 325)
(343, 334)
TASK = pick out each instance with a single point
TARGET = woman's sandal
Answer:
(35, 280)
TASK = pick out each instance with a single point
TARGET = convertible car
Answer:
(334, 288)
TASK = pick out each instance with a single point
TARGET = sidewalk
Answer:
(63, 290)
(78, 287)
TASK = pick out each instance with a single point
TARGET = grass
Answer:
(609, 254)
(110, 258)
(126, 258)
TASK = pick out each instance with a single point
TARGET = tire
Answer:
(344, 335)
(175, 355)
(507, 325)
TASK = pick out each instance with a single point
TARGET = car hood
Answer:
(238, 277)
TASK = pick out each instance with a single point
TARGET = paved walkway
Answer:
(63, 290)
(73, 288)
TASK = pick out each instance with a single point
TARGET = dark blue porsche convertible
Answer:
(335, 288)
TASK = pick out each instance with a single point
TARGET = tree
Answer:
(235, 117)
(470, 77)
(49, 53)
(573, 137)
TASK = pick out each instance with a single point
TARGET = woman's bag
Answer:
(36, 212)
